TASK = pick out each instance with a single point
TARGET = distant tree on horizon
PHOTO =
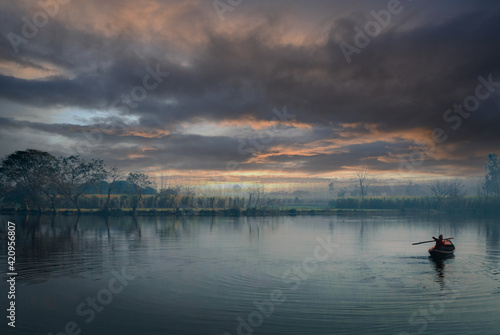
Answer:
(363, 181)
(258, 199)
(451, 189)
(331, 187)
(492, 178)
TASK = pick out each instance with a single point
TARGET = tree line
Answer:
(421, 203)
(442, 190)
(37, 180)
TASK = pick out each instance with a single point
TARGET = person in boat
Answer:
(439, 242)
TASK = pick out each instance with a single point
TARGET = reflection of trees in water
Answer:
(182, 227)
(69, 245)
(106, 220)
(253, 229)
(133, 233)
(261, 225)
(173, 228)
(493, 240)
(362, 231)
(88, 246)
(331, 225)
(46, 246)
(492, 249)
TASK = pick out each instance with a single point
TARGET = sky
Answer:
(245, 89)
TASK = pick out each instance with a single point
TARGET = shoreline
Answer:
(242, 213)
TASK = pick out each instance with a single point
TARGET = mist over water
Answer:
(208, 275)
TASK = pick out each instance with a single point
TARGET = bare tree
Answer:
(457, 189)
(451, 189)
(177, 202)
(111, 177)
(74, 176)
(212, 203)
(138, 181)
(188, 191)
(257, 198)
(362, 177)
(49, 186)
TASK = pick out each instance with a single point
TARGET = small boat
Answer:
(446, 251)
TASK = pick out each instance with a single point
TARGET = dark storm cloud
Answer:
(427, 59)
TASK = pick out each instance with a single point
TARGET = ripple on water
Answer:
(199, 281)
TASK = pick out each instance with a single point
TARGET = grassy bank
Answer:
(193, 206)
(197, 212)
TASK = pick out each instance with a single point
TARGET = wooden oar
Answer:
(450, 238)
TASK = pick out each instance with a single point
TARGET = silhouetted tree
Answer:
(451, 189)
(342, 192)
(49, 188)
(74, 176)
(362, 179)
(138, 181)
(258, 199)
(331, 187)
(412, 189)
(26, 172)
(111, 177)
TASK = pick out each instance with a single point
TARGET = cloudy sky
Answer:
(254, 88)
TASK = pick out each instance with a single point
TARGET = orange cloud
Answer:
(30, 71)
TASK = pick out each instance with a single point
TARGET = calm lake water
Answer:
(273, 275)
